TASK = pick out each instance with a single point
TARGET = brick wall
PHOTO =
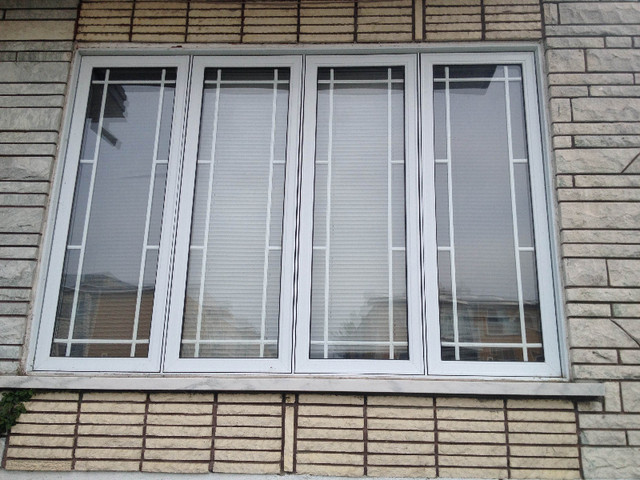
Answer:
(593, 66)
(594, 83)
(307, 434)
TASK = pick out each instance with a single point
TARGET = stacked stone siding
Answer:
(592, 72)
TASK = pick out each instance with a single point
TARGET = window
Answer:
(353, 214)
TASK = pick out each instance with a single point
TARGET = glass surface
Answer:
(358, 293)
(487, 259)
(233, 282)
(108, 279)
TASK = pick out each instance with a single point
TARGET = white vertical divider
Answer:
(147, 221)
(514, 214)
(327, 235)
(390, 214)
(87, 215)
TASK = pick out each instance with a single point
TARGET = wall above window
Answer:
(287, 214)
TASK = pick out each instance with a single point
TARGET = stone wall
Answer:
(593, 77)
(593, 59)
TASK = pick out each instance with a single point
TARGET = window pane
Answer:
(233, 280)
(488, 293)
(358, 306)
(108, 279)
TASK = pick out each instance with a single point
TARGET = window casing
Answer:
(298, 232)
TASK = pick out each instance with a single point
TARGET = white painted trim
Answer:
(310, 383)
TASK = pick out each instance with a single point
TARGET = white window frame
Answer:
(43, 360)
(173, 362)
(422, 292)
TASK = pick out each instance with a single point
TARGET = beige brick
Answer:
(56, 396)
(107, 465)
(40, 441)
(329, 422)
(400, 435)
(39, 453)
(400, 448)
(288, 447)
(243, 455)
(542, 438)
(110, 430)
(543, 451)
(471, 449)
(330, 458)
(50, 418)
(35, 30)
(175, 467)
(331, 433)
(471, 437)
(179, 419)
(470, 426)
(399, 401)
(51, 406)
(111, 419)
(108, 453)
(342, 411)
(38, 465)
(246, 468)
(179, 442)
(114, 397)
(181, 408)
(116, 442)
(543, 474)
(460, 414)
(388, 412)
(395, 459)
(546, 463)
(178, 431)
(399, 424)
(247, 444)
(256, 432)
(471, 461)
(473, 472)
(249, 398)
(183, 455)
(487, 403)
(542, 427)
(248, 421)
(329, 446)
(120, 408)
(390, 472)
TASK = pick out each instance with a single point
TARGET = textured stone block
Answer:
(599, 12)
(606, 109)
(37, 30)
(598, 333)
(561, 60)
(610, 462)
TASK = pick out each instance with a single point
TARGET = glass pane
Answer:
(518, 128)
(111, 309)
(490, 309)
(440, 121)
(359, 281)
(237, 217)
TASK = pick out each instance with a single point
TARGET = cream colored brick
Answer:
(399, 401)
(117, 442)
(330, 470)
(164, 5)
(540, 427)
(469, 426)
(34, 30)
(288, 449)
(247, 421)
(390, 472)
(389, 412)
(471, 449)
(319, 38)
(460, 414)
(243, 455)
(160, 30)
(330, 458)
(400, 435)
(102, 407)
(144, 37)
(107, 465)
(515, 34)
(542, 474)
(111, 419)
(110, 430)
(39, 453)
(398, 424)
(178, 455)
(395, 459)
(108, 453)
(179, 420)
(51, 406)
(342, 411)
(249, 409)
(543, 416)
(400, 448)
(231, 38)
(38, 465)
(384, 37)
(471, 461)
(40, 441)
(539, 404)
(462, 402)
(103, 29)
(175, 467)
(159, 21)
(56, 396)
(327, 31)
(329, 422)
(247, 444)
(547, 463)
(246, 468)
(542, 439)
(43, 429)
(329, 446)
(473, 472)
(249, 398)
(257, 432)
(179, 442)
(178, 431)
(181, 408)
(329, 433)
(459, 27)
(120, 4)
(102, 37)
(471, 437)
(47, 418)
(543, 451)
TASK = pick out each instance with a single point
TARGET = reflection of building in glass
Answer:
(490, 330)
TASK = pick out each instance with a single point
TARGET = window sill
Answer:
(299, 383)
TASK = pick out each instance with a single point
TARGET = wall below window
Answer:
(344, 435)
